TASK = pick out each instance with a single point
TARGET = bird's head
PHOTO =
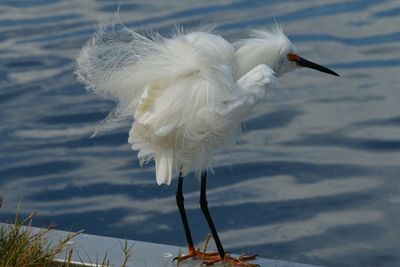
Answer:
(297, 61)
(273, 48)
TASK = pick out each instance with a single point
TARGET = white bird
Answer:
(188, 95)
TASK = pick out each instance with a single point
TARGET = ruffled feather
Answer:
(181, 91)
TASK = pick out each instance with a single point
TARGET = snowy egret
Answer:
(187, 95)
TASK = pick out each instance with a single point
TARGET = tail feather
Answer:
(164, 165)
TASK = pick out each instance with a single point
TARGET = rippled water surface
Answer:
(314, 178)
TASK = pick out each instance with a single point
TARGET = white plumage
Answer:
(187, 94)
(269, 47)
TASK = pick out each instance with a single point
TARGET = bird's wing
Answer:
(250, 91)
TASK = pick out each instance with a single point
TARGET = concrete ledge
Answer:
(91, 249)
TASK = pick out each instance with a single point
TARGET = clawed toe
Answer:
(197, 254)
(212, 258)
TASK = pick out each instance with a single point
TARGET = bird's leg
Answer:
(222, 255)
(204, 209)
(181, 207)
(192, 252)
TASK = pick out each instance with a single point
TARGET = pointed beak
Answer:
(308, 64)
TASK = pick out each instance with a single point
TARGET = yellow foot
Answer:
(198, 255)
(233, 261)
(212, 258)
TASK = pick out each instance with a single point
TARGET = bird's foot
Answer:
(198, 255)
(232, 261)
(211, 258)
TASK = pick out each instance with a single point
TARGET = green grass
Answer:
(21, 247)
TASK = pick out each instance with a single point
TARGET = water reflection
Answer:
(316, 225)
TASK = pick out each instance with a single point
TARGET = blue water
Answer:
(314, 178)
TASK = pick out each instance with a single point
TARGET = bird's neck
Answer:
(251, 56)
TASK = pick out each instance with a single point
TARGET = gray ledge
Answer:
(91, 250)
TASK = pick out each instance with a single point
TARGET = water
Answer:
(314, 179)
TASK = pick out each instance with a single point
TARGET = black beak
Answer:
(308, 64)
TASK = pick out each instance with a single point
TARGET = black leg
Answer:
(179, 202)
(204, 208)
